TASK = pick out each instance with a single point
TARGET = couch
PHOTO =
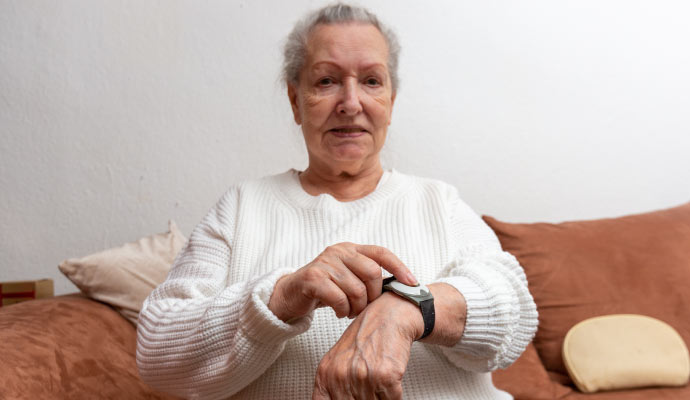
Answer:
(73, 347)
(635, 264)
(69, 347)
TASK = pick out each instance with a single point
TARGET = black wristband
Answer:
(429, 316)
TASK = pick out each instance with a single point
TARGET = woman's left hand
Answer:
(370, 358)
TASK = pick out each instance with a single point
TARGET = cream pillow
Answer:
(625, 351)
(124, 276)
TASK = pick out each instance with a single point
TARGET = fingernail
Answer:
(411, 278)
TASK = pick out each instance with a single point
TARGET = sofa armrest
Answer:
(68, 347)
(527, 379)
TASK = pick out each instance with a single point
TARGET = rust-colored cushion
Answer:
(68, 347)
(637, 264)
(631, 394)
(527, 379)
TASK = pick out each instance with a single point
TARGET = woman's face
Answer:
(344, 98)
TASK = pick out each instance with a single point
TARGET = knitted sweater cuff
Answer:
(259, 322)
(478, 333)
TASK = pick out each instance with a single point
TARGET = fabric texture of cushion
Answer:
(635, 264)
(527, 379)
(625, 351)
(68, 347)
(124, 276)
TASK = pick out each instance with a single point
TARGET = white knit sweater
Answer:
(207, 332)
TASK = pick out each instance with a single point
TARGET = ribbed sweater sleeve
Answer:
(501, 314)
(199, 337)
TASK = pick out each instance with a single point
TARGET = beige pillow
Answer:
(124, 276)
(625, 351)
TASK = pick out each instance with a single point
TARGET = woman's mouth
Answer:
(348, 132)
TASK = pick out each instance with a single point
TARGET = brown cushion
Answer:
(527, 379)
(682, 393)
(68, 347)
(124, 276)
(637, 264)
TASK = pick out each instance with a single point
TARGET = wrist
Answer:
(405, 313)
(277, 303)
(451, 312)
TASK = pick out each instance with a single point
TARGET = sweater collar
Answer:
(290, 187)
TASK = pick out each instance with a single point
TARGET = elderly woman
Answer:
(256, 304)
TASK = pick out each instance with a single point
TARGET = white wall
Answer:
(118, 115)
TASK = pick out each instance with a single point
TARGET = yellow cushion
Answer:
(625, 351)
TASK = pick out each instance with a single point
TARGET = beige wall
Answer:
(118, 115)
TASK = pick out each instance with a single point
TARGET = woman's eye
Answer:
(326, 82)
(373, 82)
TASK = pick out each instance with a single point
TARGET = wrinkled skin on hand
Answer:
(345, 277)
(370, 358)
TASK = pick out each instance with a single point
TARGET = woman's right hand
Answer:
(345, 277)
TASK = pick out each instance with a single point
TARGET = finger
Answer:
(318, 396)
(388, 261)
(368, 273)
(379, 384)
(330, 294)
(319, 392)
(350, 284)
(392, 393)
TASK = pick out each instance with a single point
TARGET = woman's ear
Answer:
(292, 95)
(390, 116)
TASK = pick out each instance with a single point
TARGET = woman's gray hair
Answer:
(295, 51)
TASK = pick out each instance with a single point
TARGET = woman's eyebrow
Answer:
(371, 66)
(322, 64)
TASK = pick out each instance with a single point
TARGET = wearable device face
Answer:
(420, 295)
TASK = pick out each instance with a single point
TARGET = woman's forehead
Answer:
(352, 42)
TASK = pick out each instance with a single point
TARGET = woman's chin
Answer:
(348, 152)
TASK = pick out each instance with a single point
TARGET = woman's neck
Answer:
(343, 184)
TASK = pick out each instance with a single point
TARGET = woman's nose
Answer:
(349, 103)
